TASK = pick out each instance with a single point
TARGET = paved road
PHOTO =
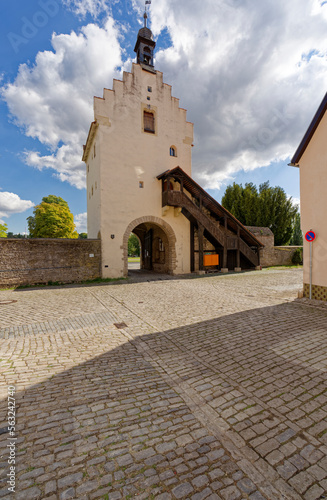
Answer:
(208, 388)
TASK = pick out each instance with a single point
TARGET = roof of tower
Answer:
(145, 33)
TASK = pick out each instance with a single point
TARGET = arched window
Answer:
(172, 151)
(147, 55)
(149, 122)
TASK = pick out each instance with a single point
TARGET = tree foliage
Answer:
(3, 230)
(266, 207)
(10, 234)
(52, 219)
(297, 236)
(298, 256)
(133, 245)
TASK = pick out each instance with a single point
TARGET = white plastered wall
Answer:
(126, 156)
(313, 188)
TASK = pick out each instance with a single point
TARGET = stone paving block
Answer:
(230, 493)
(302, 481)
(182, 490)
(314, 493)
(149, 406)
(286, 470)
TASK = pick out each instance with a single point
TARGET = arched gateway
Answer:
(138, 161)
(158, 242)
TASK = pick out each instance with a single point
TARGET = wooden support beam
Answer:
(224, 266)
(200, 238)
(238, 254)
(192, 246)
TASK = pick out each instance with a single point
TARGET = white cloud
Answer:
(83, 7)
(251, 76)
(81, 222)
(53, 99)
(11, 203)
(295, 201)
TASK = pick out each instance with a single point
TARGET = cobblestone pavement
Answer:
(208, 388)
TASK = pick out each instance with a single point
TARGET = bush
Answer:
(298, 256)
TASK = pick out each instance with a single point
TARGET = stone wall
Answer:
(277, 256)
(271, 255)
(40, 260)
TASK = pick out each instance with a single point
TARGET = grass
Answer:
(133, 259)
(288, 266)
(59, 283)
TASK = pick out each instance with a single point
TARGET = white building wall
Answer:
(313, 168)
(126, 156)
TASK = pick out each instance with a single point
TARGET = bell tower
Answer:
(145, 45)
(139, 131)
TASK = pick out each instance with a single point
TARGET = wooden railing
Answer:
(179, 199)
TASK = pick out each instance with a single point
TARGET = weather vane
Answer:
(147, 2)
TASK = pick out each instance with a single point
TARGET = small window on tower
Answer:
(149, 89)
(141, 184)
(172, 151)
(149, 122)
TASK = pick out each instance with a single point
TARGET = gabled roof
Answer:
(310, 132)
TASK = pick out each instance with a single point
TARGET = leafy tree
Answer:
(268, 207)
(82, 236)
(52, 219)
(297, 236)
(298, 256)
(10, 234)
(3, 230)
(133, 245)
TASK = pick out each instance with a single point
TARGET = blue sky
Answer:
(251, 75)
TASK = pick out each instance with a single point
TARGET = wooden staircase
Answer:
(223, 227)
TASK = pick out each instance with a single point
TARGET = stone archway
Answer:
(151, 222)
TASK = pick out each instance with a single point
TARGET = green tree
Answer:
(82, 236)
(297, 236)
(268, 207)
(52, 219)
(3, 230)
(10, 234)
(133, 245)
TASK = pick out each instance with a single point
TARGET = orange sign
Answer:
(211, 260)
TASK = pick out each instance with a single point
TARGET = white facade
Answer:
(123, 161)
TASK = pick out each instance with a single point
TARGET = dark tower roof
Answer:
(145, 33)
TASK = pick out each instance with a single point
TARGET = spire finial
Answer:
(145, 15)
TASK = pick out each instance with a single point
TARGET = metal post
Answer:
(310, 292)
